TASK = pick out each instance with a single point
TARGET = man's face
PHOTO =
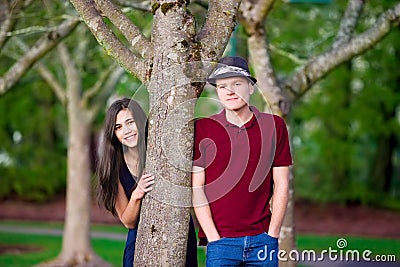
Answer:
(234, 92)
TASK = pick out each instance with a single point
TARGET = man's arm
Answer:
(201, 206)
(279, 199)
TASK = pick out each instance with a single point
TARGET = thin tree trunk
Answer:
(76, 242)
(76, 246)
(381, 171)
(277, 104)
(252, 17)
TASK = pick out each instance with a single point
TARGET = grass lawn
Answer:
(43, 247)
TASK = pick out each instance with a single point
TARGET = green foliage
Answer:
(34, 142)
(34, 124)
(340, 126)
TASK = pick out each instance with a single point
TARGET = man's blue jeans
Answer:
(258, 250)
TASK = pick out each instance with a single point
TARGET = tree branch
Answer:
(107, 89)
(217, 28)
(73, 81)
(94, 90)
(46, 75)
(8, 11)
(349, 22)
(252, 16)
(109, 41)
(134, 36)
(317, 68)
(42, 46)
(52, 82)
(145, 5)
(252, 13)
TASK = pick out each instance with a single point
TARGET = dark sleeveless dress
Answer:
(128, 182)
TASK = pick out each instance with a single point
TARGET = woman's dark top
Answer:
(128, 182)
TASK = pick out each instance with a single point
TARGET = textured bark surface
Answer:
(167, 66)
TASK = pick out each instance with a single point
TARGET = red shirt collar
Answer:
(221, 118)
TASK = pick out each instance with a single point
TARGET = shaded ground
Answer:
(17, 249)
(310, 218)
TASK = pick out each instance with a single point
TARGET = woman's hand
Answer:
(144, 186)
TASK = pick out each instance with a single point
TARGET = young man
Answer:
(241, 161)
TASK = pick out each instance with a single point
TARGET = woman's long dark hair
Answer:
(111, 152)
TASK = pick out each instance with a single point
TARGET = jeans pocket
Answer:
(275, 239)
(215, 241)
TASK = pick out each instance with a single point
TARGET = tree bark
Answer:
(168, 67)
(382, 166)
(8, 18)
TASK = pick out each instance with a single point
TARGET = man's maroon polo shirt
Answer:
(238, 163)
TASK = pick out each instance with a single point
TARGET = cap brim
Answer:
(212, 80)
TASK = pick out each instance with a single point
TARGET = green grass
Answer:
(48, 247)
(109, 228)
(377, 246)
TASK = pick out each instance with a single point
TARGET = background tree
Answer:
(293, 66)
(12, 16)
(280, 93)
(32, 148)
(82, 87)
(83, 105)
(352, 142)
(27, 177)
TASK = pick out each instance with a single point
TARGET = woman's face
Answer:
(125, 128)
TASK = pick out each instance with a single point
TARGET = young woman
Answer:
(122, 160)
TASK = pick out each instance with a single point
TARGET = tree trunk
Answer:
(339, 135)
(253, 16)
(76, 245)
(277, 104)
(164, 217)
(381, 172)
(164, 221)
(287, 239)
